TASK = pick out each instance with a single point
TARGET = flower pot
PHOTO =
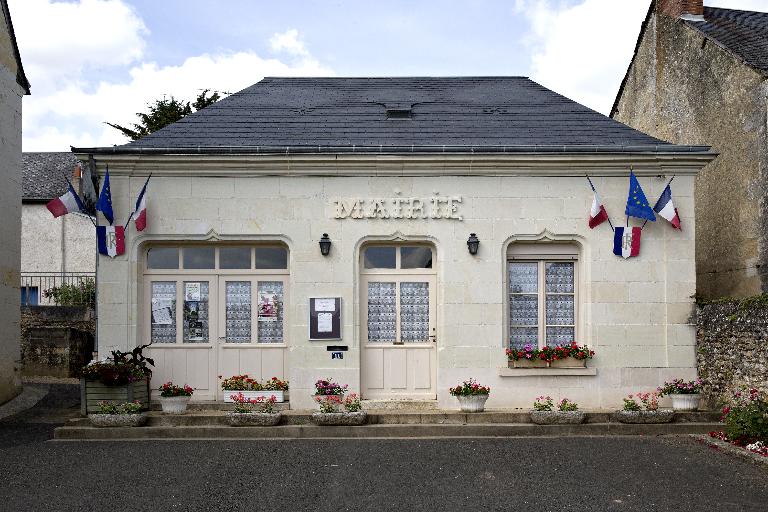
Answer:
(174, 404)
(279, 395)
(253, 419)
(659, 416)
(685, 402)
(472, 403)
(339, 418)
(528, 363)
(568, 362)
(557, 417)
(118, 420)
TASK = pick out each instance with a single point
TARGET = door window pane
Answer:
(196, 312)
(271, 257)
(163, 258)
(235, 257)
(415, 257)
(382, 320)
(270, 311)
(414, 312)
(380, 257)
(163, 325)
(199, 257)
(238, 311)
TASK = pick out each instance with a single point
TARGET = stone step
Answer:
(414, 431)
(214, 405)
(399, 405)
(381, 417)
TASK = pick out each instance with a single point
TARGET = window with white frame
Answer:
(542, 285)
(190, 288)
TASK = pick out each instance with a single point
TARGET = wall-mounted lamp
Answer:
(325, 245)
(472, 244)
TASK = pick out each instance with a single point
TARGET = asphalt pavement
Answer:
(528, 474)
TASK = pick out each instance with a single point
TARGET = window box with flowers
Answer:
(330, 398)
(252, 388)
(253, 412)
(567, 412)
(647, 411)
(471, 395)
(174, 399)
(685, 395)
(571, 355)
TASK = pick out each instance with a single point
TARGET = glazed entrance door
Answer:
(398, 336)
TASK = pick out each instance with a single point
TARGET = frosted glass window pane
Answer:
(523, 277)
(382, 312)
(559, 277)
(163, 324)
(270, 311)
(235, 257)
(560, 310)
(380, 257)
(414, 312)
(196, 315)
(523, 310)
(238, 311)
(163, 258)
(271, 257)
(415, 257)
(521, 336)
(559, 335)
(199, 257)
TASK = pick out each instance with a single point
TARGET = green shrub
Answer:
(746, 419)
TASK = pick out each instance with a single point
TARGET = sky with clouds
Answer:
(92, 61)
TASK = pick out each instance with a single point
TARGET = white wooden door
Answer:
(398, 336)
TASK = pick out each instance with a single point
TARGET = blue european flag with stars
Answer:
(637, 204)
(104, 204)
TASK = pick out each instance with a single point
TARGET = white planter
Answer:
(279, 395)
(472, 403)
(685, 402)
(174, 404)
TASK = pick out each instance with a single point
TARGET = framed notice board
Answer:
(324, 318)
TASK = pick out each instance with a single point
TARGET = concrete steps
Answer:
(410, 424)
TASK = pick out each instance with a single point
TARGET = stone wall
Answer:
(56, 341)
(732, 345)
(686, 89)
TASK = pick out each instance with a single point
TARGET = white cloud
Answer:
(582, 51)
(73, 105)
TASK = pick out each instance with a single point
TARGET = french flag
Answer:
(626, 241)
(597, 215)
(665, 208)
(141, 208)
(110, 240)
(68, 203)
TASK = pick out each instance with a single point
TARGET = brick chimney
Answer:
(692, 10)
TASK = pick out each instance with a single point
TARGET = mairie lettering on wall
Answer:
(435, 207)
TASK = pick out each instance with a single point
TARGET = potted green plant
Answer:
(118, 414)
(174, 399)
(335, 408)
(252, 388)
(572, 355)
(124, 377)
(471, 395)
(647, 411)
(685, 396)
(252, 412)
(566, 413)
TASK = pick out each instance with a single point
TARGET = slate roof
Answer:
(449, 114)
(745, 33)
(43, 175)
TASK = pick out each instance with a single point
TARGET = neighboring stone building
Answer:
(13, 86)
(53, 251)
(698, 76)
(230, 275)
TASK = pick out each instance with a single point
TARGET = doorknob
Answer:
(433, 337)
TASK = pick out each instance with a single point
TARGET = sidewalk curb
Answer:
(718, 444)
(30, 395)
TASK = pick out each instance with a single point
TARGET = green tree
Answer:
(164, 112)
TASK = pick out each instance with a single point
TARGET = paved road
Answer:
(547, 474)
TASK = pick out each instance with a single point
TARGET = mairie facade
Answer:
(397, 174)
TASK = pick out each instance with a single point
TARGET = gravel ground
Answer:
(531, 474)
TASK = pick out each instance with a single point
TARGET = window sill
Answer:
(546, 372)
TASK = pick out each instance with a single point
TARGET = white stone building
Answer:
(13, 86)
(399, 172)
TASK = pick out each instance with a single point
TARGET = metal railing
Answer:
(58, 288)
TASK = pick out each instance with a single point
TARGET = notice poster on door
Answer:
(192, 291)
(324, 318)
(161, 311)
(267, 307)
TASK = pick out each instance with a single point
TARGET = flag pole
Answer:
(668, 184)
(92, 165)
(607, 217)
(78, 197)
